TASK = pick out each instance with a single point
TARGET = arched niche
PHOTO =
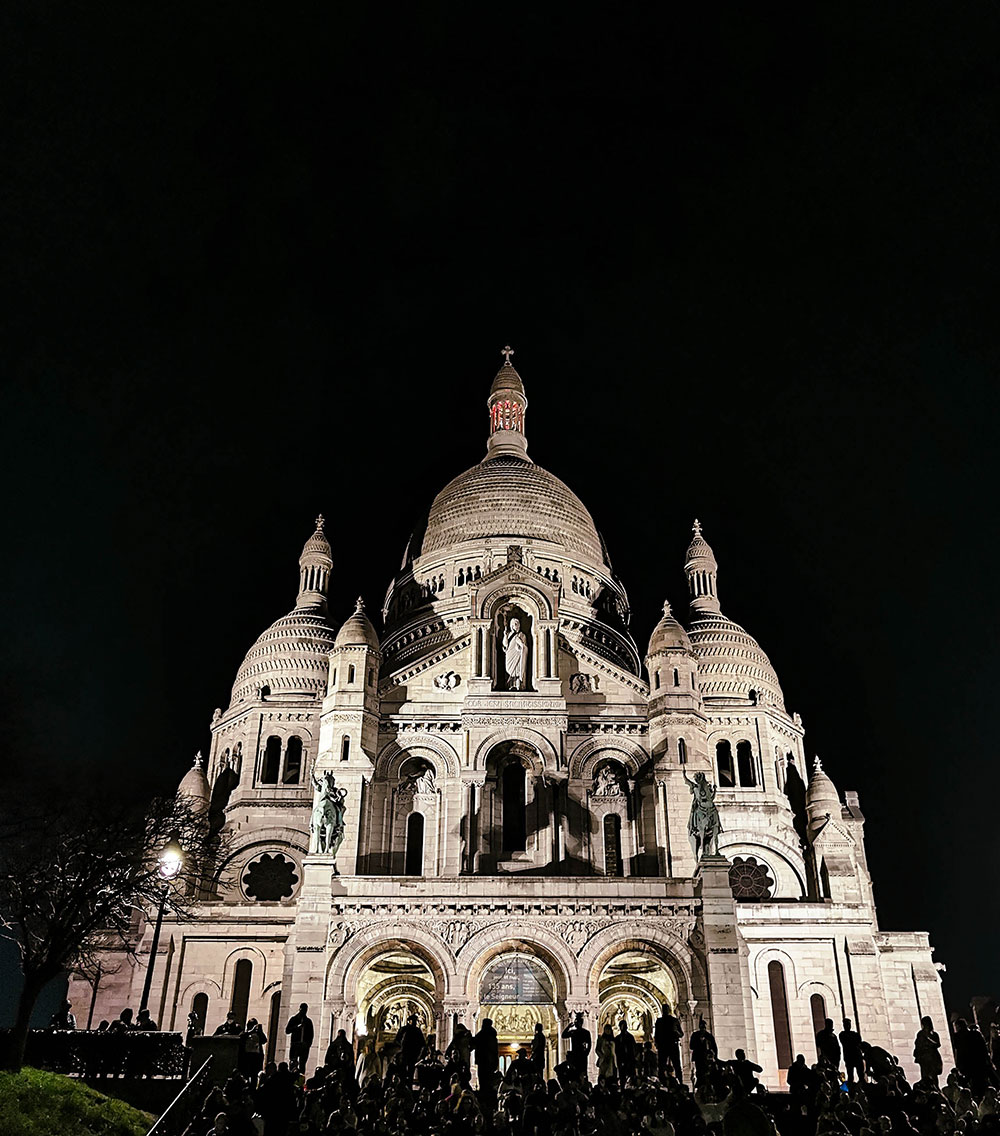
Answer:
(516, 636)
(515, 811)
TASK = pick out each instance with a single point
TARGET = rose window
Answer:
(750, 879)
(270, 877)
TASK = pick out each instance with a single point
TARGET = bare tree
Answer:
(73, 883)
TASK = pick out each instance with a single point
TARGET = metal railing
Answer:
(185, 1106)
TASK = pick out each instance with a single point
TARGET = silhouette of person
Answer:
(827, 1045)
(667, 1034)
(300, 1031)
(703, 1050)
(854, 1060)
(580, 1043)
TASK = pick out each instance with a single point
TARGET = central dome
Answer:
(511, 498)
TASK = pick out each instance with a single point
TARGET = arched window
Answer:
(515, 836)
(292, 772)
(199, 1006)
(613, 845)
(677, 677)
(241, 990)
(345, 748)
(745, 764)
(779, 1014)
(272, 761)
(414, 860)
(724, 761)
(657, 680)
(824, 879)
(682, 751)
(333, 681)
(817, 1006)
(371, 676)
(273, 1025)
(350, 674)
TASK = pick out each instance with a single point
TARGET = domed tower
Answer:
(349, 730)
(265, 743)
(753, 746)
(836, 838)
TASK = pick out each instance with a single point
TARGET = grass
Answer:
(36, 1103)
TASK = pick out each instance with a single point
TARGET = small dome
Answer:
(317, 544)
(194, 786)
(822, 792)
(358, 630)
(668, 635)
(699, 550)
(289, 658)
(513, 499)
(507, 379)
(731, 662)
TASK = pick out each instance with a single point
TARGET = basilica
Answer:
(482, 807)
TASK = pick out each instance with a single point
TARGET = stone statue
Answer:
(704, 825)
(326, 826)
(609, 783)
(424, 781)
(515, 648)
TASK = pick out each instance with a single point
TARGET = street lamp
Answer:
(171, 860)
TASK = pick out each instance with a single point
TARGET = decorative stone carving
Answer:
(581, 683)
(447, 681)
(610, 782)
(421, 782)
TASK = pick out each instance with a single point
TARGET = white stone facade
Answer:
(515, 839)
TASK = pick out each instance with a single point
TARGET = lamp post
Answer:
(171, 860)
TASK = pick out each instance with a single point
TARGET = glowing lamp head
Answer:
(171, 858)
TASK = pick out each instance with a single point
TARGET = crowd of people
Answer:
(618, 1086)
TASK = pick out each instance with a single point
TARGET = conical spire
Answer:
(315, 566)
(702, 571)
(507, 404)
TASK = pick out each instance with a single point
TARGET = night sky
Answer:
(256, 267)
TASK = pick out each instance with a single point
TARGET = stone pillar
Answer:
(725, 956)
(304, 978)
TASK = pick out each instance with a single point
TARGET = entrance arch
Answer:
(393, 986)
(633, 987)
(516, 992)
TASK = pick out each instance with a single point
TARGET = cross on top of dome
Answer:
(506, 352)
(320, 522)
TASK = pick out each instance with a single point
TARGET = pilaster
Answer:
(726, 956)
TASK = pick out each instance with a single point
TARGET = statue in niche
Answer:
(704, 825)
(513, 649)
(420, 780)
(326, 825)
(609, 783)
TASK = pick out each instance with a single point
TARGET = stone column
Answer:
(304, 978)
(726, 957)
